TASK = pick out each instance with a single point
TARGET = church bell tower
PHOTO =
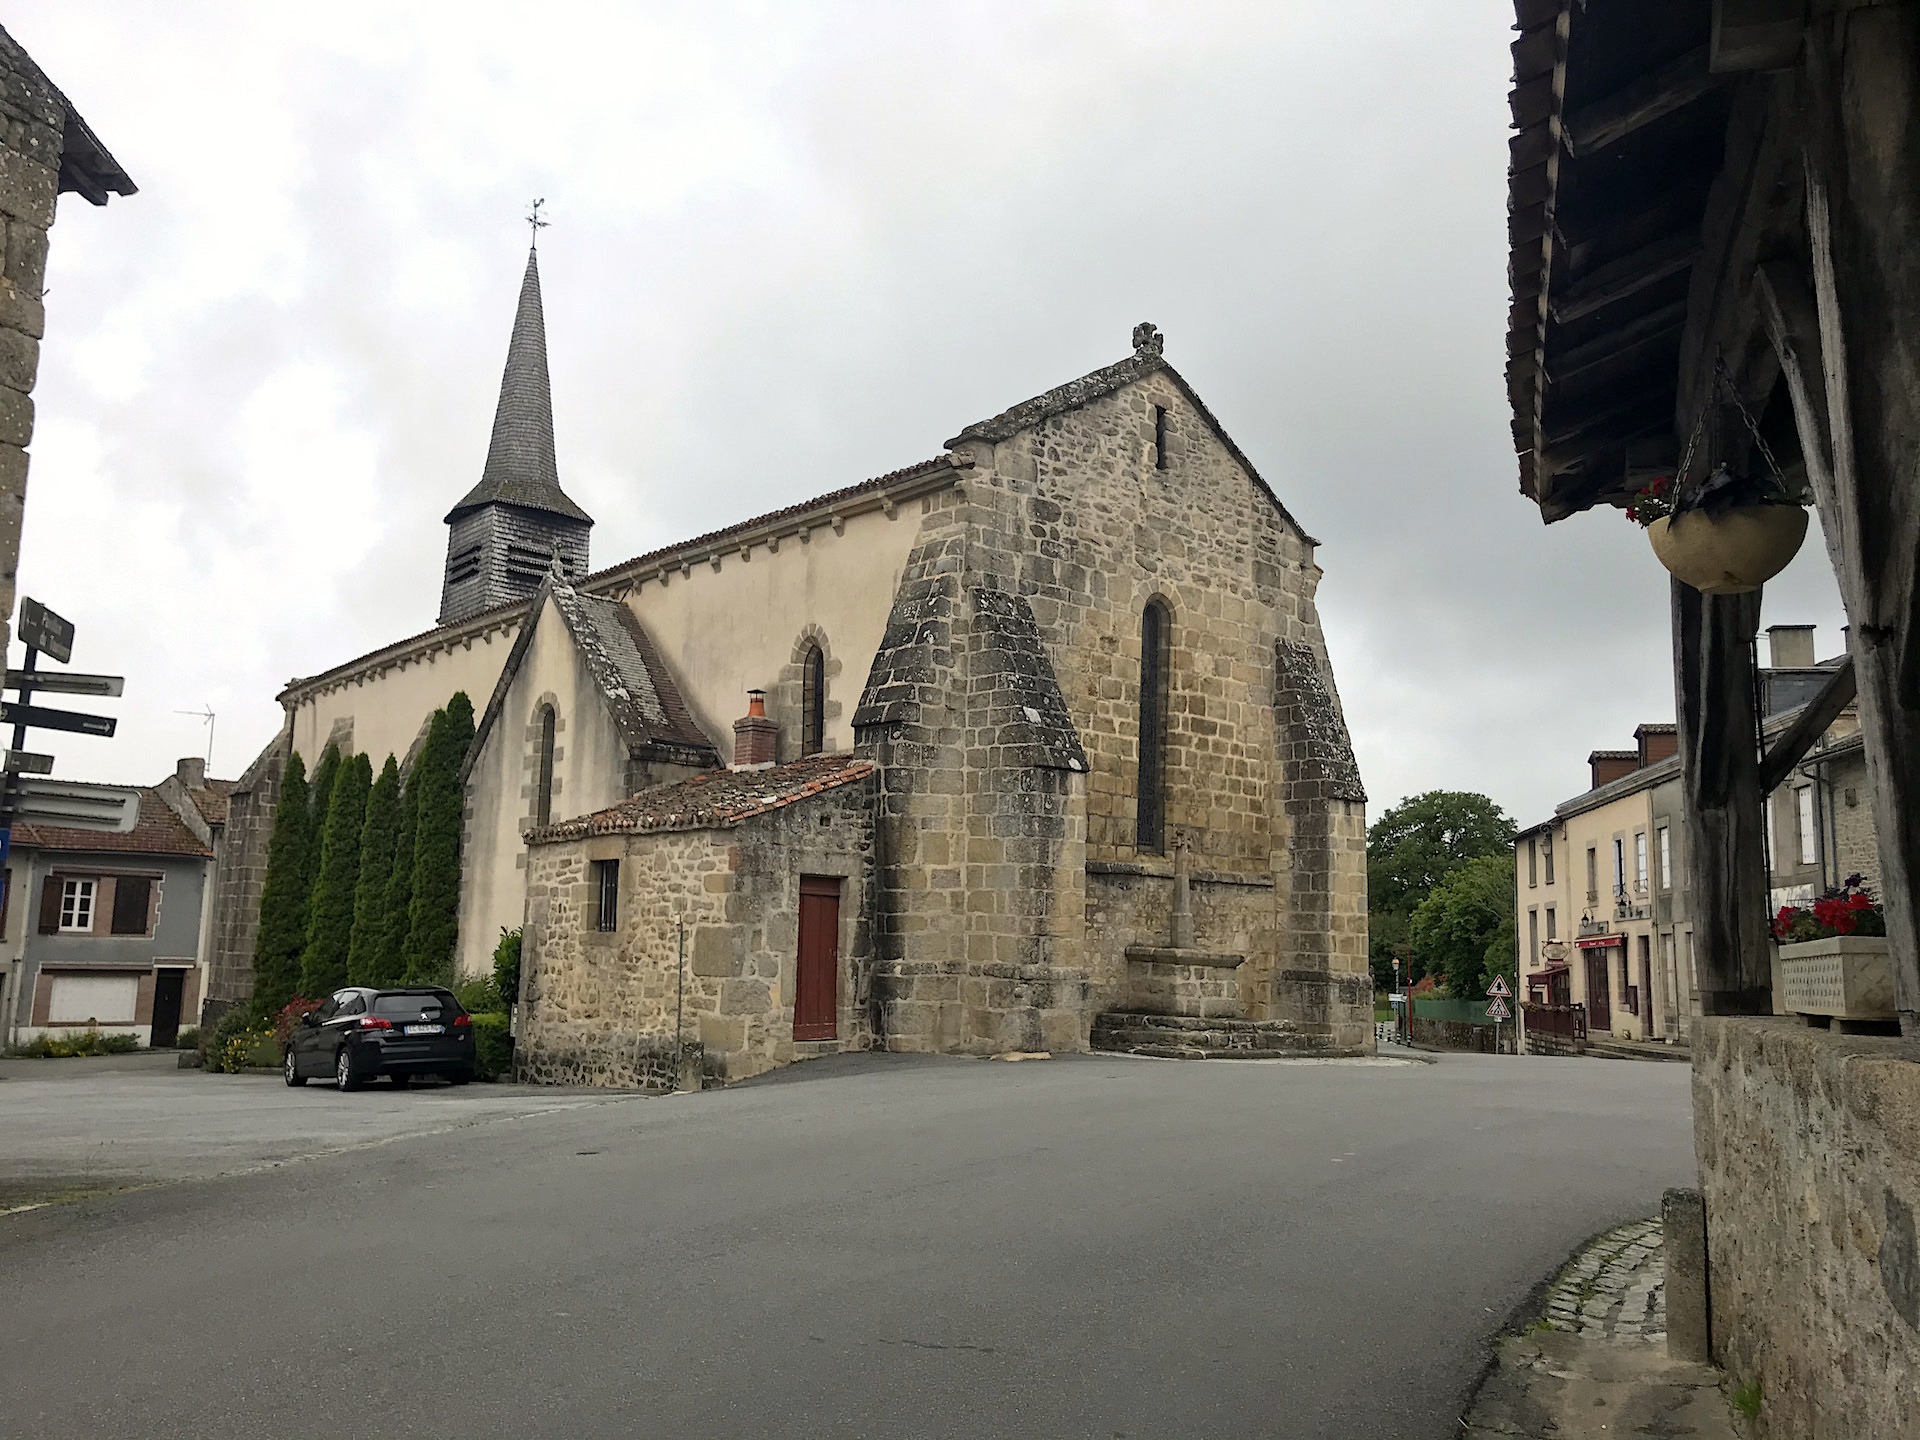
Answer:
(508, 529)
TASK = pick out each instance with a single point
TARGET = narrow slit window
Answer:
(543, 781)
(606, 874)
(813, 702)
(1159, 437)
(1150, 827)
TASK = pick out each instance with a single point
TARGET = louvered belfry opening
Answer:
(507, 530)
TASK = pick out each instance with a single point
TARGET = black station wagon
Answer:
(360, 1033)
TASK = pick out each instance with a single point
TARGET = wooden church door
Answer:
(816, 991)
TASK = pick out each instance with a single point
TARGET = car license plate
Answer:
(426, 1029)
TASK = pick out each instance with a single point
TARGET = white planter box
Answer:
(1847, 977)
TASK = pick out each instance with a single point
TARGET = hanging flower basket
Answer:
(1730, 553)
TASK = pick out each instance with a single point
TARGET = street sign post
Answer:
(39, 717)
(26, 762)
(1499, 987)
(67, 682)
(40, 629)
(1498, 1009)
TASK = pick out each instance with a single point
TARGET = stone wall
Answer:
(602, 1007)
(239, 872)
(32, 128)
(1809, 1150)
(1129, 903)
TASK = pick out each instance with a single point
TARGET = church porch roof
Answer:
(718, 800)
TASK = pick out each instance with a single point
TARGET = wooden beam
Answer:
(1720, 774)
(1820, 713)
(1654, 325)
(1565, 423)
(1628, 275)
(1756, 34)
(1596, 126)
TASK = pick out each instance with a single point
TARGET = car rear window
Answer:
(415, 1007)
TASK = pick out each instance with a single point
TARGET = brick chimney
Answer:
(1611, 765)
(1657, 742)
(191, 771)
(1790, 647)
(755, 737)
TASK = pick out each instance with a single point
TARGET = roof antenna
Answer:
(535, 223)
(206, 715)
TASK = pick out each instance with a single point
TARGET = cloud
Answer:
(795, 246)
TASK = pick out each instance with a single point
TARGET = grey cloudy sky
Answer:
(795, 245)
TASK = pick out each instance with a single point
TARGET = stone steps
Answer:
(1639, 1050)
(1186, 1037)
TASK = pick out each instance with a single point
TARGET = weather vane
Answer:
(534, 220)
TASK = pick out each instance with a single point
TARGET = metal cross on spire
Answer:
(534, 221)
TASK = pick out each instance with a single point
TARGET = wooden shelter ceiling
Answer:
(1621, 129)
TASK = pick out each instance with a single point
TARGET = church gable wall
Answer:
(1077, 515)
(589, 772)
(728, 624)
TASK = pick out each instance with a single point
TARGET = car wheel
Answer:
(344, 1074)
(400, 1081)
(460, 1077)
(292, 1071)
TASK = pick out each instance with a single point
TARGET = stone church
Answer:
(1031, 745)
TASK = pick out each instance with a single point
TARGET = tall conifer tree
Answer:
(396, 907)
(376, 872)
(434, 924)
(323, 967)
(278, 943)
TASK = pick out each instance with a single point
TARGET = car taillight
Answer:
(375, 1022)
(463, 1020)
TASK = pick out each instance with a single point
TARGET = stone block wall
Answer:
(239, 873)
(603, 1007)
(1809, 1151)
(32, 135)
(1131, 902)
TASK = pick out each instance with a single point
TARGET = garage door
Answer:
(108, 999)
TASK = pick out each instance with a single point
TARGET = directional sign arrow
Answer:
(40, 629)
(67, 682)
(1499, 986)
(39, 717)
(1498, 1009)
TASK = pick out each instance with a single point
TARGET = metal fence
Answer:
(1568, 1022)
(1466, 1012)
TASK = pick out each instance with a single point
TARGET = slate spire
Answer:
(521, 468)
(508, 531)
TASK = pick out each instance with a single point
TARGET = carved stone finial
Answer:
(1147, 339)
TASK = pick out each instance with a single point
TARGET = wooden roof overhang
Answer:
(1621, 131)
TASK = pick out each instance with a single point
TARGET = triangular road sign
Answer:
(1498, 1009)
(1499, 986)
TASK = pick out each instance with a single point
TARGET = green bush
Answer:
(187, 1039)
(506, 965)
(118, 1044)
(87, 1042)
(492, 1047)
(231, 1024)
(479, 996)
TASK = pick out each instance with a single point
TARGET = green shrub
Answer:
(478, 996)
(492, 1047)
(187, 1039)
(1746, 1400)
(118, 1044)
(231, 1025)
(506, 965)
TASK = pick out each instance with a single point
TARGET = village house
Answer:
(1033, 744)
(1602, 909)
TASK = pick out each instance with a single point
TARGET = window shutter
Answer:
(130, 902)
(50, 905)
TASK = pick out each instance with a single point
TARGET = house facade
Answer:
(105, 931)
(1603, 908)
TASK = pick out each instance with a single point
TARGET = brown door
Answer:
(1599, 1008)
(167, 988)
(816, 991)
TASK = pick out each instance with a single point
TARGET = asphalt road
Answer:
(870, 1245)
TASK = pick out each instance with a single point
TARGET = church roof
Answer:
(521, 468)
(633, 681)
(1147, 359)
(87, 167)
(717, 800)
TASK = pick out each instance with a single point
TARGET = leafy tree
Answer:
(282, 935)
(318, 804)
(434, 922)
(323, 968)
(506, 965)
(1411, 849)
(1457, 926)
(390, 961)
(377, 838)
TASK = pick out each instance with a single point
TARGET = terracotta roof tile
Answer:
(717, 800)
(157, 832)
